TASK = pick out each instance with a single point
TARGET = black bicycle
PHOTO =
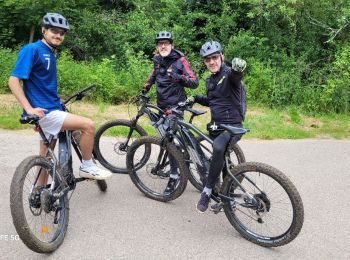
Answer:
(113, 139)
(151, 173)
(40, 213)
(260, 202)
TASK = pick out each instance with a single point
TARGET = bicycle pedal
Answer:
(217, 208)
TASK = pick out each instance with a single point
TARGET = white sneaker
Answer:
(94, 172)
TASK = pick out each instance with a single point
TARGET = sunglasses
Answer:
(212, 57)
(57, 31)
(165, 43)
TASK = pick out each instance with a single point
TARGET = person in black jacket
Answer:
(226, 98)
(172, 74)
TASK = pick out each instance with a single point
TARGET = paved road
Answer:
(123, 224)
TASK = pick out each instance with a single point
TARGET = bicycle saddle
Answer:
(29, 119)
(196, 112)
(234, 130)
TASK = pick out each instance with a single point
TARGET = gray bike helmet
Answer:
(209, 48)
(163, 35)
(55, 20)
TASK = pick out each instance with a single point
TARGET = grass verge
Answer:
(264, 123)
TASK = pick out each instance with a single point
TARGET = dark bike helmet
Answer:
(55, 20)
(163, 35)
(209, 48)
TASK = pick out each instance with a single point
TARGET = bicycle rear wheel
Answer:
(272, 214)
(152, 178)
(236, 155)
(40, 220)
(112, 142)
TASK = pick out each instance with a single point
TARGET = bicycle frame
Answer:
(64, 160)
(145, 109)
(188, 142)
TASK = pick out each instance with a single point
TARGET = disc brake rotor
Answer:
(120, 148)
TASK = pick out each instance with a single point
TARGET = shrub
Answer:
(7, 61)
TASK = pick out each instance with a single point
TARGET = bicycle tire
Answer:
(194, 177)
(140, 184)
(284, 191)
(115, 163)
(18, 208)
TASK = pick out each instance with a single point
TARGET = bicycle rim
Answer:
(35, 219)
(276, 218)
(153, 176)
(112, 144)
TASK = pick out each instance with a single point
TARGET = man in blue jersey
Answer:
(36, 68)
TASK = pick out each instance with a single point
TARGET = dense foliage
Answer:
(297, 50)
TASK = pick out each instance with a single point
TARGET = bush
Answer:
(7, 61)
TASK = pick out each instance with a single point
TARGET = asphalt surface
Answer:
(124, 224)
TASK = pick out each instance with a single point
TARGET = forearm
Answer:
(235, 78)
(189, 83)
(202, 100)
(16, 89)
(150, 80)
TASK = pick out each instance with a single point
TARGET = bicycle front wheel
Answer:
(267, 208)
(236, 157)
(153, 177)
(40, 220)
(112, 142)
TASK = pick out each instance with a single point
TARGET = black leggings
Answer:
(218, 160)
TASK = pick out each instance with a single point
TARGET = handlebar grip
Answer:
(80, 94)
(88, 88)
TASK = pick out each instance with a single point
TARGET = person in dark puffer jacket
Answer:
(226, 97)
(172, 74)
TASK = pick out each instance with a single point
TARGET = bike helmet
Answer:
(209, 48)
(55, 20)
(163, 35)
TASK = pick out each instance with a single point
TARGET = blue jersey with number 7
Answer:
(36, 66)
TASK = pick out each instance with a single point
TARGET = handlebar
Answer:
(80, 94)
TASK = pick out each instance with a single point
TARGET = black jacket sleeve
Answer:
(187, 79)
(235, 78)
(202, 100)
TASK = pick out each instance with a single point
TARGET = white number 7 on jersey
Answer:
(48, 63)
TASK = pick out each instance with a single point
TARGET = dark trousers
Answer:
(221, 141)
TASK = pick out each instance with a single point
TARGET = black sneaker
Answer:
(171, 185)
(203, 202)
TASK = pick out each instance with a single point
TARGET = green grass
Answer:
(9, 117)
(264, 123)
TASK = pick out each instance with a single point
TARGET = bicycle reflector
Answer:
(44, 229)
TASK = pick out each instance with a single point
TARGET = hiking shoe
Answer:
(203, 202)
(172, 184)
(94, 172)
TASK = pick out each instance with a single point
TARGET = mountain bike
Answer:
(40, 213)
(113, 139)
(259, 201)
(152, 181)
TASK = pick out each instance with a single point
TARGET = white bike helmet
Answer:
(55, 20)
(209, 48)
